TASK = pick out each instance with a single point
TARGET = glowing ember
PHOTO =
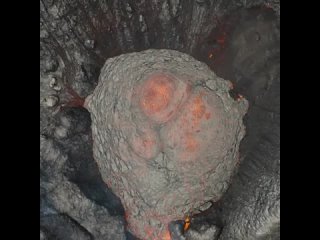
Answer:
(161, 96)
(156, 95)
(186, 224)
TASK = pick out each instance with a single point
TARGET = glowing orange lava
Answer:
(156, 96)
(160, 96)
(186, 224)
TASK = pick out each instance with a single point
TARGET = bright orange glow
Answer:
(156, 96)
(191, 143)
(198, 107)
(186, 224)
(160, 96)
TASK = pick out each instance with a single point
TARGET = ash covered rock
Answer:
(58, 226)
(203, 232)
(68, 210)
(166, 136)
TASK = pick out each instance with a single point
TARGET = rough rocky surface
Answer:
(166, 136)
(65, 210)
(77, 37)
(251, 207)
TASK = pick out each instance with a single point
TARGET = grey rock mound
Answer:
(166, 135)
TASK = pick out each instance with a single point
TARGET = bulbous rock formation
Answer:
(166, 136)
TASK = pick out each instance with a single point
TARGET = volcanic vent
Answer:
(166, 136)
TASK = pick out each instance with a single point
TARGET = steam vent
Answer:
(166, 136)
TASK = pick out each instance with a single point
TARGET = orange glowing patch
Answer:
(191, 143)
(166, 236)
(186, 224)
(156, 96)
(198, 108)
(148, 230)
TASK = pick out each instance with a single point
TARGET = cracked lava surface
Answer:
(166, 135)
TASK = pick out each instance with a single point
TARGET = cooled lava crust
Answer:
(166, 136)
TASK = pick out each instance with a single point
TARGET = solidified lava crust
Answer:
(166, 136)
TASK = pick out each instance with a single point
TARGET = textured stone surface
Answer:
(77, 37)
(166, 135)
(251, 207)
(66, 210)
